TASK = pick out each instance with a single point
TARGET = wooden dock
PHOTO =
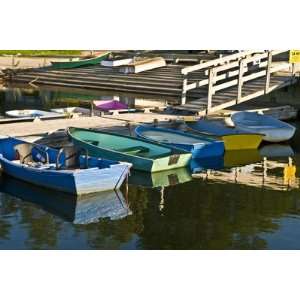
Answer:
(165, 81)
(46, 126)
(201, 89)
(235, 79)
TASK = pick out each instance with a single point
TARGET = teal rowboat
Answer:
(77, 62)
(144, 155)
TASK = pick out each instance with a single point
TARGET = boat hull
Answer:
(273, 130)
(233, 138)
(78, 63)
(106, 105)
(32, 113)
(170, 160)
(241, 141)
(78, 182)
(275, 135)
(200, 147)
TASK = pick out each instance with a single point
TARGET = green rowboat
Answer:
(77, 62)
(144, 155)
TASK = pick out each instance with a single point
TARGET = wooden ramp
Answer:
(235, 79)
(228, 97)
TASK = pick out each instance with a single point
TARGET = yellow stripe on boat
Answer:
(241, 141)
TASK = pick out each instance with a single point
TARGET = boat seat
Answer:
(93, 142)
(25, 152)
(134, 150)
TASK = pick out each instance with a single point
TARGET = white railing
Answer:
(233, 70)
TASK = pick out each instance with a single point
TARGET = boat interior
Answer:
(124, 145)
(162, 136)
(43, 157)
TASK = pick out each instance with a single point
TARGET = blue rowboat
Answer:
(199, 146)
(82, 209)
(63, 170)
(233, 138)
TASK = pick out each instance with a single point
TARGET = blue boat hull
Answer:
(202, 150)
(205, 148)
(78, 182)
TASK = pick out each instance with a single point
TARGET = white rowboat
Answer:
(272, 129)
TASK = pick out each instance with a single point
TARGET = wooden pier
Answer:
(201, 89)
(165, 81)
(235, 79)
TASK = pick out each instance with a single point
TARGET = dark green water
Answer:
(245, 205)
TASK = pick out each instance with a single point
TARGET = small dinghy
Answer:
(272, 129)
(32, 113)
(199, 146)
(106, 105)
(234, 139)
(79, 61)
(63, 170)
(144, 155)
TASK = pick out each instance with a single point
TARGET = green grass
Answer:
(40, 52)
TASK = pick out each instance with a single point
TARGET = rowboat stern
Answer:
(100, 180)
(242, 141)
(212, 149)
(172, 161)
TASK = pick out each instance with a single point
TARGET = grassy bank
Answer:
(40, 52)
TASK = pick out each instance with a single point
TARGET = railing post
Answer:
(211, 78)
(240, 81)
(268, 73)
(183, 93)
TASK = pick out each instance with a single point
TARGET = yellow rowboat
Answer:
(234, 139)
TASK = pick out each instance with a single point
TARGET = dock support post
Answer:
(92, 109)
(211, 75)
(183, 94)
(268, 74)
(240, 81)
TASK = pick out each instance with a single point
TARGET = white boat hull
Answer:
(31, 113)
(274, 131)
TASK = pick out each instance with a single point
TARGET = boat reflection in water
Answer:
(77, 209)
(160, 179)
(268, 167)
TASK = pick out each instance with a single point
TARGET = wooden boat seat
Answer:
(134, 150)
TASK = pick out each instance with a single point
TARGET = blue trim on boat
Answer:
(101, 174)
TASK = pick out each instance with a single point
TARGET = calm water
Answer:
(247, 204)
